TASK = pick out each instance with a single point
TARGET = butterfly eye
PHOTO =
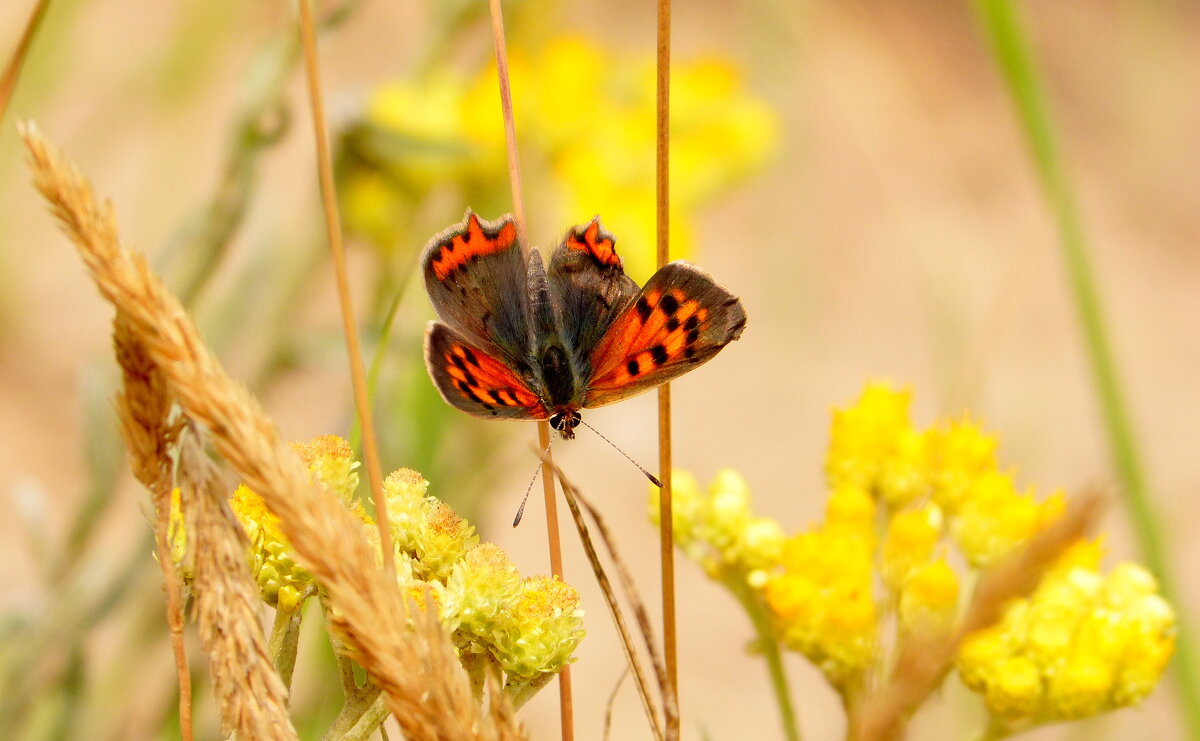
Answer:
(556, 421)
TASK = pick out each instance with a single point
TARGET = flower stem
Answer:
(769, 645)
(1011, 49)
(285, 641)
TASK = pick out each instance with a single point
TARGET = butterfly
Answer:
(522, 341)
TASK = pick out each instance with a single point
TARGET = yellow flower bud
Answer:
(1014, 687)
(425, 527)
(929, 599)
(959, 452)
(331, 462)
(912, 534)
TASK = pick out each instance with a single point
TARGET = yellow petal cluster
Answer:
(717, 529)
(1082, 644)
(823, 600)
(874, 447)
(424, 527)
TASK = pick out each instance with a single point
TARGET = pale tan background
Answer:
(899, 233)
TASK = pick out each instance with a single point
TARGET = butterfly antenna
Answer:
(649, 475)
(524, 499)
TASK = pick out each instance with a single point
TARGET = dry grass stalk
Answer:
(566, 703)
(143, 408)
(426, 688)
(12, 71)
(333, 226)
(924, 661)
(662, 209)
(572, 495)
(250, 694)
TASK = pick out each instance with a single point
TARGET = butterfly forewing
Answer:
(474, 381)
(590, 289)
(474, 274)
(681, 319)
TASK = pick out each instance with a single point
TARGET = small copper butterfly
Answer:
(520, 341)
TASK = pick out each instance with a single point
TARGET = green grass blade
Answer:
(1011, 49)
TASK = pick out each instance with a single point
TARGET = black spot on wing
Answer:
(659, 353)
(643, 308)
(669, 305)
(633, 367)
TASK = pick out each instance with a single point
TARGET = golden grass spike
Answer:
(924, 661)
(250, 694)
(427, 689)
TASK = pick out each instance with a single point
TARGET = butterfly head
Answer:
(565, 421)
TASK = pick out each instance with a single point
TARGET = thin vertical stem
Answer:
(162, 524)
(662, 203)
(8, 81)
(333, 226)
(566, 703)
(768, 643)
(1011, 49)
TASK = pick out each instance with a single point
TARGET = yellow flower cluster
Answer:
(949, 470)
(586, 114)
(528, 627)
(902, 500)
(717, 530)
(822, 598)
(1082, 644)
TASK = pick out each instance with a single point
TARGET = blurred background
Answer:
(853, 170)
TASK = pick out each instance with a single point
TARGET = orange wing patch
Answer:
(484, 380)
(473, 241)
(659, 328)
(595, 242)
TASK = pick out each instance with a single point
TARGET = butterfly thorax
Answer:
(561, 388)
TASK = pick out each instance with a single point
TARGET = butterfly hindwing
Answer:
(590, 289)
(474, 273)
(681, 319)
(476, 382)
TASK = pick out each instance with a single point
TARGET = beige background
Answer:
(899, 233)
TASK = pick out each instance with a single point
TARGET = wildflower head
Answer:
(331, 462)
(874, 447)
(993, 518)
(1082, 644)
(822, 600)
(481, 586)
(541, 630)
(717, 528)
(425, 527)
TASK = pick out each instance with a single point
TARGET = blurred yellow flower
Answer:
(822, 601)
(1082, 644)
(874, 446)
(717, 529)
(585, 114)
